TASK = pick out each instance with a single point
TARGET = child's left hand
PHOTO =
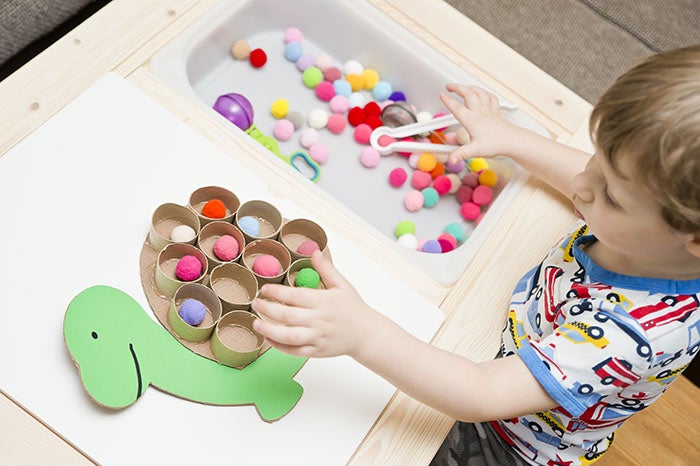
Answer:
(315, 323)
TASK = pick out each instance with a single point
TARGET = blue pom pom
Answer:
(432, 246)
(381, 91)
(292, 51)
(398, 96)
(249, 225)
(192, 312)
(342, 87)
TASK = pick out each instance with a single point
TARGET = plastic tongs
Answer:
(440, 151)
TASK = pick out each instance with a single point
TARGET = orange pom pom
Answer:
(437, 137)
(438, 170)
(488, 177)
(426, 162)
(214, 208)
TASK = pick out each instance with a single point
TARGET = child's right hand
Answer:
(489, 132)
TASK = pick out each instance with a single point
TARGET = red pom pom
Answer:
(372, 108)
(445, 245)
(257, 58)
(356, 116)
(373, 121)
(214, 208)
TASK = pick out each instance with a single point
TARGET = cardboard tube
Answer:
(297, 265)
(298, 230)
(167, 282)
(203, 195)
(213, 231)
(268, 216)
(234, 342)
(210, 301)
(235, 286)
(165, 218)
(271, 247)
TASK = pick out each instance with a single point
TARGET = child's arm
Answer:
(492, 135)
(335, 321)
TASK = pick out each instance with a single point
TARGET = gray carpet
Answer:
(586, 44)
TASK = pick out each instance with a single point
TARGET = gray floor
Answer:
(586, 44)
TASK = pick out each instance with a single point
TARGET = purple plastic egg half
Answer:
(236, 109)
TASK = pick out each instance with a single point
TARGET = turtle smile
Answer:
(138, 370)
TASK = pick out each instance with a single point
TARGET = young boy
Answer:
(598, 330)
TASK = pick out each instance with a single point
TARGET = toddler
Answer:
(595, 332)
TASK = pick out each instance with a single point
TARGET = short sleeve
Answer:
(598, 350)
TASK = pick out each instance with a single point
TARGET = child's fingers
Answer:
(286, 335)
(456, 108)
(329, 275)
(282, 313)
(292, 296)
(494, 103)
(301, 351)
(457, 155)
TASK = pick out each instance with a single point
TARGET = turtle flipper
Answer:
(278, 392)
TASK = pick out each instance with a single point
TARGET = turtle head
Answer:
(102, 329)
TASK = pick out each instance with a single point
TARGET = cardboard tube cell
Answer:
(234, 342)
(166, 218)
(296, 232)
(266, 247)
(261, 216)
(212, 314)
(200, 197)
(235, 286)
(210, 234)
(299, 264)
(166, 279)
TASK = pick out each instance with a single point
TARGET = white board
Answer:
(76, 198)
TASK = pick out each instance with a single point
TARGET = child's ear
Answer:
(692, 244)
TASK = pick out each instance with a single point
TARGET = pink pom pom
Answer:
(307, 247)
(308, 137)
(469, 211)
(445, 245)
(449, 238)
(420, 179)
(319, 152)
(266, 265)
(292, 34)
(442, 184)
(397, 177)
(188, 268)
(283, 130)
(369, 157)
(331, 74)
(339, 104)
(482, 195)
(325, 91)
(471, 179)
(464, 194)
(226, 248)
(362, 133)
(336, 123)
(413, 200)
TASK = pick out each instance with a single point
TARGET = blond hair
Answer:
(652, 112)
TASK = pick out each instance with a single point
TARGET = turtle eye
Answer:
(94, 335)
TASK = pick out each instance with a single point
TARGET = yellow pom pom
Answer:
(355, 81)
(488, 177)
(426, 162)
(279, 108)
(369, 78)
(477, 164)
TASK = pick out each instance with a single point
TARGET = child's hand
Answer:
(479, 114)
(308, 322)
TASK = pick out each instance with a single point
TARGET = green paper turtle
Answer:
(120, 351)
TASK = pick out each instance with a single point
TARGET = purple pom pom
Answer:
(432, 246)
(192, 312)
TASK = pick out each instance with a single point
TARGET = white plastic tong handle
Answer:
(411, 130)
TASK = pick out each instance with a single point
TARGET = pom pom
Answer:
(353, 66)
(372, 108)
(442, 184)
(182, 234)
(192, 312)
(362, 133)
(319, 152)
(226, 248)
(357, 99)
(296, 118)
(249, 225)
(381, 91)
(403, 227)
(336, 123)
(455, 230)
(188, 268)
(283, 130)
(266, 265)
(308, 137)
(449, 238)
(445, 245)
(356, 116)
(482, 195)
(455, 167)
(413, 200)
(420, 180)
(324, 91)
(369, 157)
(455, 182)
(430, 197)
(488, 177)
(426, 162)
(311, 77)
(307, 247)
(355, 81)
(370, 78)
(332, 74)
(324, 61)
(279, 108)
(373, 121)
(292, 34)
(439, 170)
(339, 104)
(397, 177)
(471, 179)
(240, 50)
(432, 246)
(469, 211)
(293, 51)
(305, 61)
(464, 194)
(258, 58)
(307, 278)
(409, 241)
(398, 96)
(317, 118)
(477, 164)
(214, 208)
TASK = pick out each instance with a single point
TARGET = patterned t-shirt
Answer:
(602, 344)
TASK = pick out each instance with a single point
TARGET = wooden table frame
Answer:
(126, 33)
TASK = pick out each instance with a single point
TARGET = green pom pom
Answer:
(403, 227)
(430, 197)
(455, 229)
(307, 278)
(311, 77)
